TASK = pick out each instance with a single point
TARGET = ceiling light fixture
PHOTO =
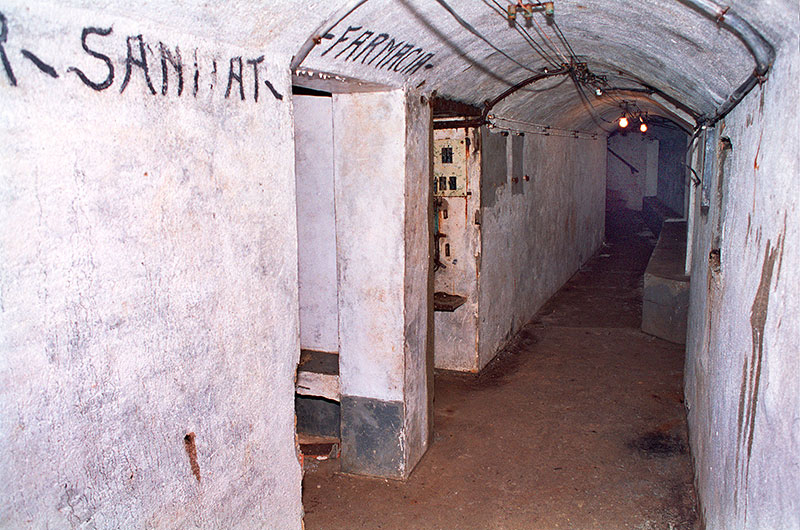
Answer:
(623, 121)
(643, 127)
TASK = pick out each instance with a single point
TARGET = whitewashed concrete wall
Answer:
(316, 223)
(456, 333)
(532, 242)
(631, 185)
(148, 277)
(673, 180)
(742, 365)
(381, 164)
(369, 131)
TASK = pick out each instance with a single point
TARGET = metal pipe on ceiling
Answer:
(545, 73)
(762, 51)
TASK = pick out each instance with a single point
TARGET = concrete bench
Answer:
(665, 302)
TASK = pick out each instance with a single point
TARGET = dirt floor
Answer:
(579, 424)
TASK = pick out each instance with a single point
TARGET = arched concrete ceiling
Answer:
(658, 43)
(661, 43)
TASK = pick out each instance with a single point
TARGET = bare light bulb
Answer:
(598, 92)
(623, 121)
(643, 127)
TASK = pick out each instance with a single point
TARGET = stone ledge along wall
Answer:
(148, 278)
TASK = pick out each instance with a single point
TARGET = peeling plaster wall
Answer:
(534, 241)
(742, 366)
(148, 277)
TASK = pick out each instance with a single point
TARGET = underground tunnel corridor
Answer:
(579, 423)
(196, 198)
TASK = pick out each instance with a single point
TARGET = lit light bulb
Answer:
(643, 127)
(599, 92)
(623, 121)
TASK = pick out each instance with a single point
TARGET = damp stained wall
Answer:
(316, 223)
(417, 283)
(532, 241)
(148, 281)
(741, 382)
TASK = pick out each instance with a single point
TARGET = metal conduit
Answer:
(762, 51)
(545, 73)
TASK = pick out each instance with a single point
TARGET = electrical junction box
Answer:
(450, 167)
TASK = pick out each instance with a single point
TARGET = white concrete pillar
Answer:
(382, 210)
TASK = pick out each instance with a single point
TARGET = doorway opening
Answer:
(364, 300)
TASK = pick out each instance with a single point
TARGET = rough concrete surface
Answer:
(742, 385)
(665, 299)
(532, 242)
(663, 43)
(417, 290)
(382, 172)
(579, 424)
(369, 162)
(148, 288)
(316, 223)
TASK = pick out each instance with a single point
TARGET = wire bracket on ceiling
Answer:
(520, 127)
(527, 9)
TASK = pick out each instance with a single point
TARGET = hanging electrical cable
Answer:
(498, 8)
(564, 40)
(521, 126)
(466, 25)
(550, 41)
(553, 60)
(528, 11)
(596, 117)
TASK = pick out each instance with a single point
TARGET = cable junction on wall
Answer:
(524, 127)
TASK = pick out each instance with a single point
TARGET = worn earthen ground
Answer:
(579, 424)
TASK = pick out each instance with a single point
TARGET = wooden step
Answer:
(318, 374)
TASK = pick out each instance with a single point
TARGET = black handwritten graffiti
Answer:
(177, 64)
(383, 50)
(102, 85)
(196, 77)
(141, 62)
(41, 65)
(234, 76)
(139, 57)
(254, 63)
(275, 93)
(3, 57)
